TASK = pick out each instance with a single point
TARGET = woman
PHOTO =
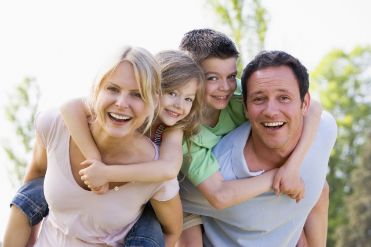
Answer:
(123, 105)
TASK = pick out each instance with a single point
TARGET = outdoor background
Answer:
(51, 51)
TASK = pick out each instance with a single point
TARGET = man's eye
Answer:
(285, 98)
(258, 100)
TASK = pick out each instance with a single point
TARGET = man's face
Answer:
(274, 108)
(220, 75)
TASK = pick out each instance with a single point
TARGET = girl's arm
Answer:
(287, 179)
(170, 215)
(75, 114)
(226, 193)
(18, 229)
(165, 168)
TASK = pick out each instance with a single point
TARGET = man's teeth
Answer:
(119, 116)
(273, 124)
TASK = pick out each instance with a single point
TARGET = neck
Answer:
(111, 146)
(211, 116)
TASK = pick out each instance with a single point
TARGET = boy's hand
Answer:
(94, 176)
(288, 181)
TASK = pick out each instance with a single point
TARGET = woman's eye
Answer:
(136, 94)
(172, 93)
(113, 89)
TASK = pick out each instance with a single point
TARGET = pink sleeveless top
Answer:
(78, 217)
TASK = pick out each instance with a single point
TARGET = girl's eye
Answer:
(233, 77)
(172, 93)
(190, 100)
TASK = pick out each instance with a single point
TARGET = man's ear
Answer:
(305, 104)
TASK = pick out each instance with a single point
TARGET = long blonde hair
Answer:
(177, 69)
(147, 74)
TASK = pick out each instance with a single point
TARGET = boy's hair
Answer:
(147, 74)
(267, 59)
(205, 43)
(177, 69)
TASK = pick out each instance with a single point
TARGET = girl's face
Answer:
(177, 103)
(220, 75)
(119, 106)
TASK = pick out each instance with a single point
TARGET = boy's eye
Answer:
(212, 78)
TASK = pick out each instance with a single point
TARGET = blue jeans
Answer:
(146, 232)
(30, 199)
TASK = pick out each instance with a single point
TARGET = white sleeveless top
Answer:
(78, 217)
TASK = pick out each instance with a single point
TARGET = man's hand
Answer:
(288, 181)
(94, 176)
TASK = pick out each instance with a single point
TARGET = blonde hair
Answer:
(147, 74)
(177, 69)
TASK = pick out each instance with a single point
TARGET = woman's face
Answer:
(119, 106)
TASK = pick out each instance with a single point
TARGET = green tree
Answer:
(246, 22)
(357, 231)
(20, 111)
(343, 81)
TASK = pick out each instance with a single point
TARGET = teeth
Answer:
(273, 124)
(119, 116)
(221, 97)
(173, 114)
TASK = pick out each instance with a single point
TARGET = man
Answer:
(275, 92)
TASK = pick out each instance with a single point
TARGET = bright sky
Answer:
(63, 44)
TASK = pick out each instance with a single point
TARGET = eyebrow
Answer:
(262, 92)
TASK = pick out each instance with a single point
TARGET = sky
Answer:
(64, 44)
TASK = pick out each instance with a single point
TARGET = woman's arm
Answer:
(75, 114)
(226, 193)
(18, 229)
(165, 168)
(287, 179)
(170, 215)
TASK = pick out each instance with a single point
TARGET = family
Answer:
(175, 150)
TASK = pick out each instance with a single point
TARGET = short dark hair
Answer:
(267, 59)
(205, 43)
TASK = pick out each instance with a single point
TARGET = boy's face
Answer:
(220, 75)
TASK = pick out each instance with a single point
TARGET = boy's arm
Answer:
(75, 114)
(170, 215)
(165, 168)
(223, 194)
(287, 179)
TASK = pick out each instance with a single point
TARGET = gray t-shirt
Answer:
(266, 220)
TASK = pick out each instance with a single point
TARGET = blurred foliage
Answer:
(357, 230)
(246, 22)
(20, 111)
(343, 81)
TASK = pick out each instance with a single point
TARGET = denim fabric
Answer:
(30, 199)
(146, 232)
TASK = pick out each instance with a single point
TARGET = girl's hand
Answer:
(287, 181)
(94, 176)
